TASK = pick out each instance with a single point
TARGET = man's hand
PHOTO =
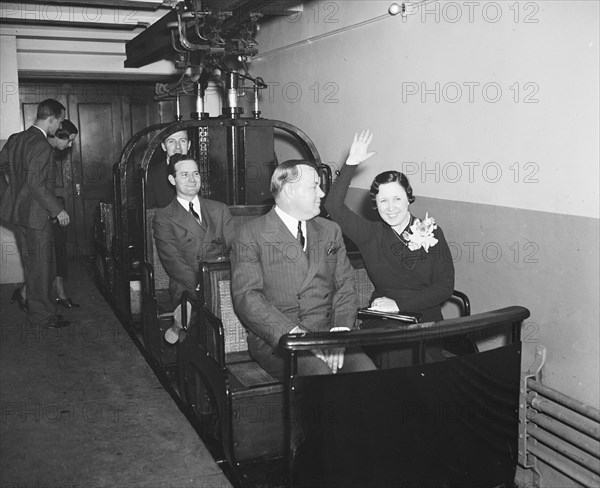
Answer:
(360, 147)
(63, 218)
(320, 353)
(335, 359)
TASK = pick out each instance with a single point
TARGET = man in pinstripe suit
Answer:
(290, 273)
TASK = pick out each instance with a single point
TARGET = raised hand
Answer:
(359, 151)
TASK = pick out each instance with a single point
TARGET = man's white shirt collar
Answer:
(292, 223)
(43, 131)
(186, 205)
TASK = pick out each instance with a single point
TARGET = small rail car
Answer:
(447, 423)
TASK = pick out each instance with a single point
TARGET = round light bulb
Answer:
(394, 9)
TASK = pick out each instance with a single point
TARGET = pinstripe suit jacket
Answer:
(182, 244)
(26, 162)
(276, 287)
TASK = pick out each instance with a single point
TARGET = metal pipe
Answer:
(256, 111)
(576, 438)
(582, 424)
(556, 461)
(562, 399)
(232, 87)
(319, 37)
(199, 99)
(178, 108)
(232, 108)
(407, 8)
(577, 455)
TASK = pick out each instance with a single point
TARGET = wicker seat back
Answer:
(235, 333)
(161, 278)
(364, 286)
(107, 218)
(362, 282)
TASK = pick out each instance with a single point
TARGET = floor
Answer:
(82, 408)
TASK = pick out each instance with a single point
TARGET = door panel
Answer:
(99, 145)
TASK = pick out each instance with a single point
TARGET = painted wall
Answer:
(491, 109)
(11, 270)
(504, 111)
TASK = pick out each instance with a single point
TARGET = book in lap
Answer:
(406, 317)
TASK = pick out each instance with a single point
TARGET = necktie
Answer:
(195, 214)
(300, 235)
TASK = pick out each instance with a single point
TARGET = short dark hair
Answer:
(391, 177)
(287, 172)
(66, 130)
(49, 108)
(176, 158)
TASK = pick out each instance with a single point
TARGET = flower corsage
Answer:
(421, 234)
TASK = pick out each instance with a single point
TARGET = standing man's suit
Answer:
(159, 192)
(29, 202)
(277, 287)
(182, 243)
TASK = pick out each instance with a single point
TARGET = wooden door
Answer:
(100, 141)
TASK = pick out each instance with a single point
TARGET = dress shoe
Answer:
(57, 324)
(67, 303)
(17, 297)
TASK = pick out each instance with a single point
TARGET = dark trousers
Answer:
(60, 249)
(399, 355)
(36, 247)
(274, 361)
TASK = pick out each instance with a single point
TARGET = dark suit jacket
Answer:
(182, 244)
(276, 287)
(159, 191)
(26, 163)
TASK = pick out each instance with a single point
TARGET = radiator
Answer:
(558, 430)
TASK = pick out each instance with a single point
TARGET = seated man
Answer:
(159, 193)
(188, 231)
(290, 273)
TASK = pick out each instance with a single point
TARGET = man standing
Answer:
(61, 141)
(188, 231)
(290, 273)
(159, 193)
(30, 204)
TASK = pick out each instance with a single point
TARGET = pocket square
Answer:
(331, 249)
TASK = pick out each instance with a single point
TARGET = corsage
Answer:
(421, 234)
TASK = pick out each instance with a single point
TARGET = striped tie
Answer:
(300, 235)
(195, 214)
